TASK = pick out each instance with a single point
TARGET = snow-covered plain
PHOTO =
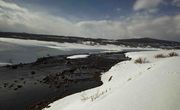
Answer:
(63, 46)
(128, 86)
(14, 51)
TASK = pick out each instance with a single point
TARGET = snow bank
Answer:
(77, 56)
(129, 86)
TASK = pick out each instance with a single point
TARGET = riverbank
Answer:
(148, 84)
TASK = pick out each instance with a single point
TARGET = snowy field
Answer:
(153, 85)
(13, 51)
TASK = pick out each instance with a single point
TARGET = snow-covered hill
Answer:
(154, 85)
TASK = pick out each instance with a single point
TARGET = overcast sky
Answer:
(112, 19)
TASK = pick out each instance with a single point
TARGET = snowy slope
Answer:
(128, 86)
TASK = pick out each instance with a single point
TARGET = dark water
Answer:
(31, 93)
(20, 89)
(23, 86)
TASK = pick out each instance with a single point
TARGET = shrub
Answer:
(141, 60)
(172, 54)
(160, 56)
(129, 79)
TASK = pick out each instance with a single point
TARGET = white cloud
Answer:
(164, 27)
(176, 3)
(146, 4)
(19, 19)
(11, 6)
(16, 18)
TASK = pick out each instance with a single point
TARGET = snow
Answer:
(77, 56)
(56, 45)
(150, 86)
(67, 46)
(3, 64)
(16, 51)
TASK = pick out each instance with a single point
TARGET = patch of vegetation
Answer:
(141, 60)
(160, 56)
(172, 54)
(129, 79)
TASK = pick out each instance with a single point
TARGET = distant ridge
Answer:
(135, 42)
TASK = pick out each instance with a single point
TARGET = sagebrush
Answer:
(141, 60)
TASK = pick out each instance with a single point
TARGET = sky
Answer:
(110, 19)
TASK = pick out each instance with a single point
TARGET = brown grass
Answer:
(172, 54)
(140, 60)
(160, 56)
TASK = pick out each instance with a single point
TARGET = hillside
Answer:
(136, 42)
